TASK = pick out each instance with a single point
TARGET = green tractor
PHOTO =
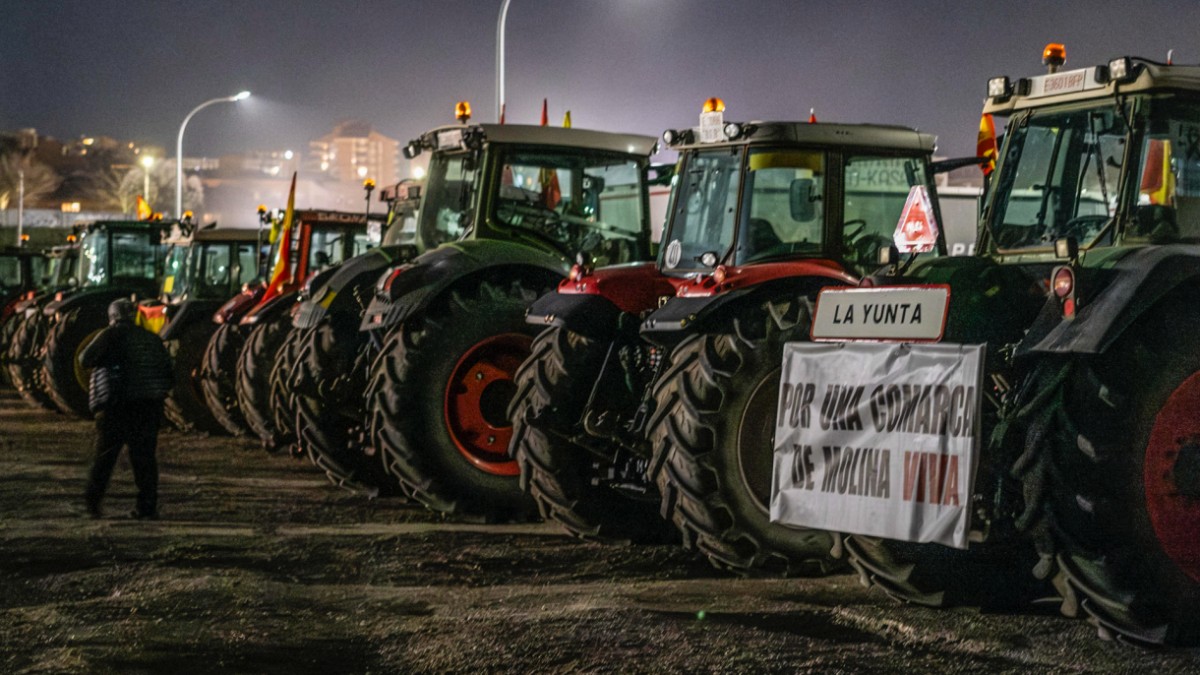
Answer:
(116, 259)
(205, 267)
(505, 209)
(1078, 443)
(25, 330)
(23, 273)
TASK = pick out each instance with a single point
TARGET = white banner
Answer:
(878, 439)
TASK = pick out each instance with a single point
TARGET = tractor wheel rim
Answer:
(756, 441)
(83, 376)
(1169, 476)
(477, 396)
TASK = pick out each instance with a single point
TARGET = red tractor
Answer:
(234, 374)
(764, 214)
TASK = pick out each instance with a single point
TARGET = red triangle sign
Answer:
(917, 231)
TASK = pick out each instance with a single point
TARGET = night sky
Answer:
(132, 69)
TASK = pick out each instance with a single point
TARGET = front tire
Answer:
(24, 360)
(439, 397)
(712, 434)
(66, 381)
(185, 406)
(254, 380)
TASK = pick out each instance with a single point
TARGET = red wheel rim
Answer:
(477, 398)
(1169, 476)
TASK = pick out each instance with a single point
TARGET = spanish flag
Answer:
(1158, 181)
(144, 212)
(283, 266)
(985, 145)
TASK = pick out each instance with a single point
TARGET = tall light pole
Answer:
(179, 145)
(500, 59)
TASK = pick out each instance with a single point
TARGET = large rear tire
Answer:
(439, 397)
(329, 376)
(65, 380)
(1125, 485)
(185, 406)
(283, 410)
(24, 363)
(8, 330)
(218, 377)
(254, 380)
(553, 386)
(712, 434)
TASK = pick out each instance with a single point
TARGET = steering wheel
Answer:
(849, 236)
(1080, 227)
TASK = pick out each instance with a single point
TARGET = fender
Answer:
(97, 298)
(188, 313)
(342, 290)
(697, 301)
(271, 309)
(607, 302)
(1123, 292)
(408, 288)
(236, 307)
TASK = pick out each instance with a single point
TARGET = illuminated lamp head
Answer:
(1054, 56)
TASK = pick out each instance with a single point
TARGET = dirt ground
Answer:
(259, 566)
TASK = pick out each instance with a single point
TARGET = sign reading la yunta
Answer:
(878, 439)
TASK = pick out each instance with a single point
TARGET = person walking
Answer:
(131, 377)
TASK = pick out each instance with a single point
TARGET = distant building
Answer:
(353, 152)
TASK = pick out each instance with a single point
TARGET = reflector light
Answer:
(720, 274)
(708, 259)
(1054, 55)
(714, 105)
(1068, 307)
(1063, 282)
(462, 111)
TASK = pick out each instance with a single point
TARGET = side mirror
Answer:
(800, 200)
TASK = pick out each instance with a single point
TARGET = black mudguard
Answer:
(93, 297)
(188, 313)
(352, 278)
(1123, 293)
(274, 308)
(433, 272)
(592, 316)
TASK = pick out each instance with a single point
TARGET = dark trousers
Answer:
(135, 424)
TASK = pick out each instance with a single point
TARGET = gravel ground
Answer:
(259, 566)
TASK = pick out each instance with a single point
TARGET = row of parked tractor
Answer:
(504, 343)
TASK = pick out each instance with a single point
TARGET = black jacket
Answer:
(145, 370)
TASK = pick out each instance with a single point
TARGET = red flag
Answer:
(545, 116)
(985, 145)
(283, 266)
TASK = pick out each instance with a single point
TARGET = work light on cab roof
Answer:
(1119, 70)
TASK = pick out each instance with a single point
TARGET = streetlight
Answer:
(147, 162)
(179, 145)
(500, 60)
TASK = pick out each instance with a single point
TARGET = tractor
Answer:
(235, 371)
(1078, 320)
(205, 267)
(505, 210)
(116, 259)
(25, 331)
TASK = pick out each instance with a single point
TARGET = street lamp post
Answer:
(500, 60)
(179, 145)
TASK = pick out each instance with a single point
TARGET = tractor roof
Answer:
(528, 134)
(873, 136)
(1095, 82)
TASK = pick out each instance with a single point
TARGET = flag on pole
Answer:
(985, 145)
(567, 120)
(144, 211)
(283, 265)
(812, 115)
(545, 118)
(502, 107)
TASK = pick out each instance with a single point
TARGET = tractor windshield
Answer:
(1059, 177)
(131, 254)
(876, 190)
(704, 209)
(10, 272)
(449, 193)
(176, 278)
(589, 202)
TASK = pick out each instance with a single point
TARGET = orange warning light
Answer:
(714, 104)
(462, 111)
(1054, 55)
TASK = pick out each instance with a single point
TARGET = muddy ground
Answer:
(259, 566)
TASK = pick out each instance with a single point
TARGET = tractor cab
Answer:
(21, 273)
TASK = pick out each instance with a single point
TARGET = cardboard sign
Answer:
(878, 439)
